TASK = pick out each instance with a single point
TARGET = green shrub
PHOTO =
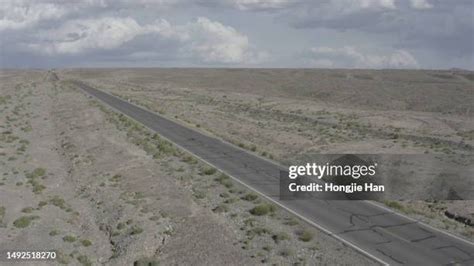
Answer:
(84, 260)
(189, 159)
(291, 222)
(27, 210)
(231, 200)
(224, 195)
(120, 226)
(221, 208)
(209, 171)
(58, 202)
(69, 238)
(2, 214)
(305, 236)
(135, 230)
(278, 237)
(146, 262)
(199, 194)
(86, 242)
(262, 209)
(24, 221)
(38, 172)
(250, 197)
(224, 180)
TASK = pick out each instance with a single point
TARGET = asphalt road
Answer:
(377, 232)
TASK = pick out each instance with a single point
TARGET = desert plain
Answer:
(79, 178)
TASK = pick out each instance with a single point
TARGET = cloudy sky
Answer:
(237, 33)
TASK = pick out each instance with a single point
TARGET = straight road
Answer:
(370, 228)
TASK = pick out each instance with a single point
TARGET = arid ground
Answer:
(290, 114)
(78, 178)
(99, 188)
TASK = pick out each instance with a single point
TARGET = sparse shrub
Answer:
(262, 209)
(37, 186)
(285, 252)
(24, 221)
(291, 222)
(253, 148)
(58, 202)
(62, 258)
(84, 260)
(224, 180)
(221, 208)
(135, 230)
(115, 178)
(38, 172)
(54, 233)
(199, 194)
(145, 262)
(86, 242)
(27, 210)
(120, 226)
(2, 214)
(69, 238)
(250, 222)
(189, 159)
(305, 235)
(250, 197)
(209, 171)
(278, 237)
(258, 231)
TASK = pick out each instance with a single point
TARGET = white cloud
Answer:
(212, 41)
(421, 4)
(351, 57)
(77, 36)
(203, 39)
(21, 14)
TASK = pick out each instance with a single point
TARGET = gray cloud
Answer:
(366, 33)
(446, 27)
